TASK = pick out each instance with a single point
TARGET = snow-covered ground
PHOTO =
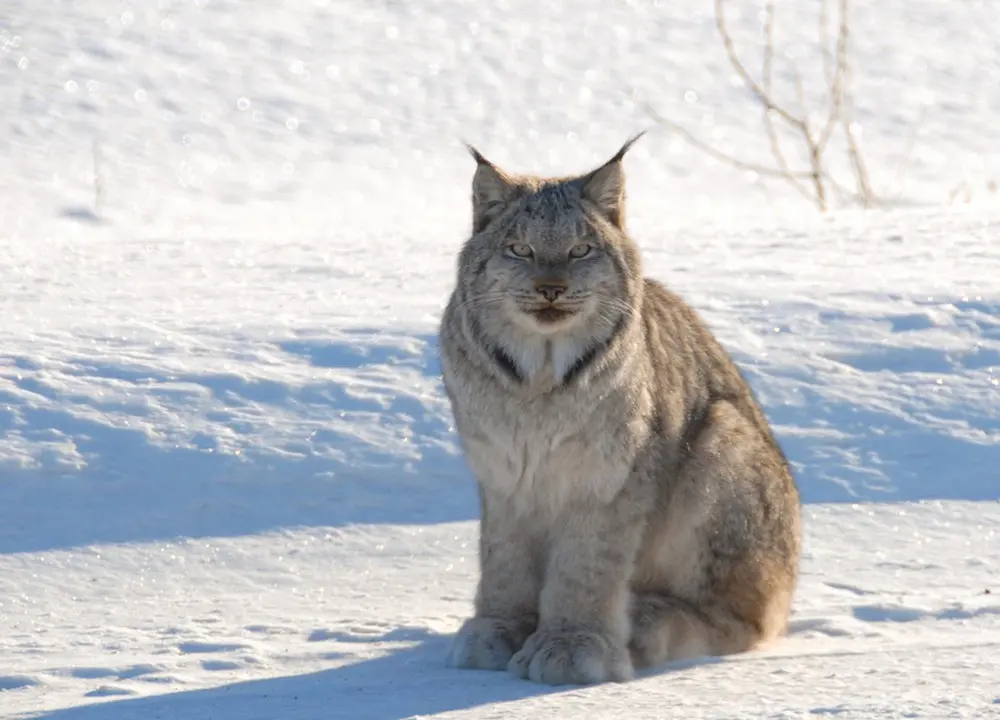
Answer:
(229, 484)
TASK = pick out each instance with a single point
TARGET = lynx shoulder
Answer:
(636, 507)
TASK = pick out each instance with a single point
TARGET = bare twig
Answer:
(836, 83)
(734, 60)
(718, 154)
(816, 182)
(769, 115)
(736, 162)
(846, 118)
(764, 97)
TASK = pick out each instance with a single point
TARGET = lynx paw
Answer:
(571, 658)
(486, 644)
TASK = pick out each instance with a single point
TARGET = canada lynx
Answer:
(636, 507)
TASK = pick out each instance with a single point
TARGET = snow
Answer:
(229, 482)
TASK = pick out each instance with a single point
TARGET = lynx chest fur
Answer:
(547, 444)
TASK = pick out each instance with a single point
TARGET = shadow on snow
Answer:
(406, 682)
(371, 443)
(364, 438)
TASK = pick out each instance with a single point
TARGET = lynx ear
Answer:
(605, 186)
(492, 191)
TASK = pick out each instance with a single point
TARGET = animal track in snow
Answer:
(15, 682)
(838, 626)
(270, 630)
(220, 665)
(197, 648)
(365, 634)
(110, 691)
(848, 588)
(899, 613)
(98, 673)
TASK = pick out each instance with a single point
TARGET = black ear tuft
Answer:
(492, 190)
(620, 155)
(605, 186)
(477, 156)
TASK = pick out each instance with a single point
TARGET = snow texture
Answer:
(229, 483)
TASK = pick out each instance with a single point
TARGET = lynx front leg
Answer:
(507, 598)
(583, 632)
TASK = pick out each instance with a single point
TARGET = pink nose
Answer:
(550, 290)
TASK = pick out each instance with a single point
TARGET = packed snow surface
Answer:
(230, 487)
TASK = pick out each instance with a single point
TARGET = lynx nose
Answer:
(550, 289)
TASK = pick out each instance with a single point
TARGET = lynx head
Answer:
(550, 255)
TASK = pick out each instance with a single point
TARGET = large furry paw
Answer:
(571, 658)
(486, 643)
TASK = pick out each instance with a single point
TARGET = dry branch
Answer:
(815, 182)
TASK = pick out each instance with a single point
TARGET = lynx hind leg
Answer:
(666, 629)
(751, 613)
(735, 592)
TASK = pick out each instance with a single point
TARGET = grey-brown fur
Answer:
(636, 507)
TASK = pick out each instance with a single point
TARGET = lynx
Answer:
(635, 506)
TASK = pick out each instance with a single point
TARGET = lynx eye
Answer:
(580, 251)
(520, 250)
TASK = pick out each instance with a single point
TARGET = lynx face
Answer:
(553, 265)
(549, 256)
